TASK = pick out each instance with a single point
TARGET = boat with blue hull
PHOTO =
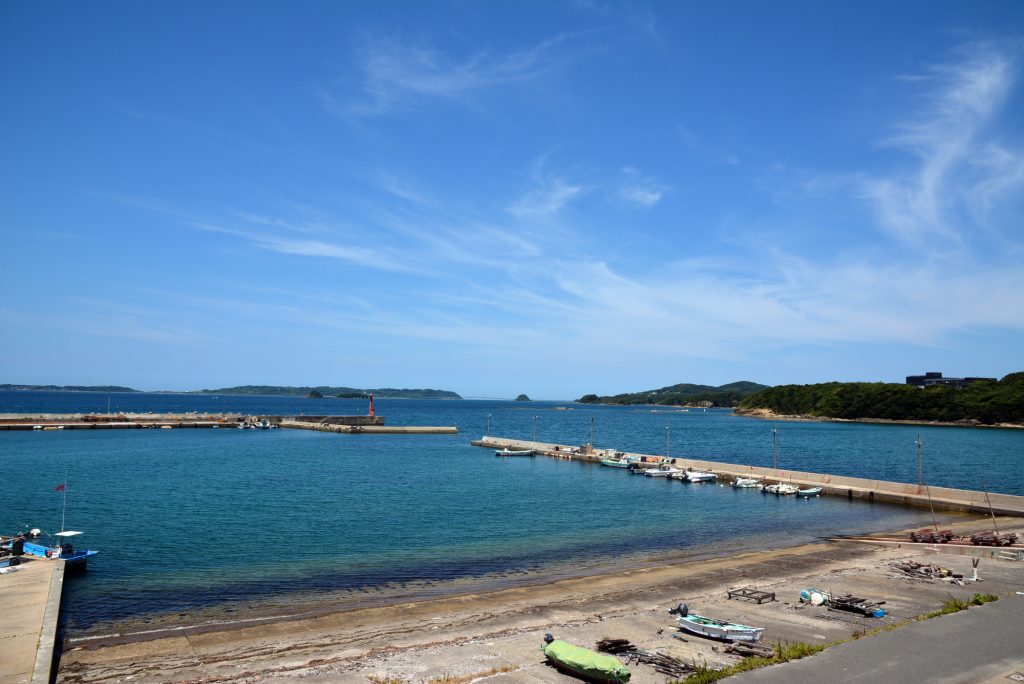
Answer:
(64, 549)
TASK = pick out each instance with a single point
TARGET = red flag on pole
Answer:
(59, 488)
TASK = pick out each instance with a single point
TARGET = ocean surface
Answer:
(217, 526)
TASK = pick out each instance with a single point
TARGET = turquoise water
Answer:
(221, 520)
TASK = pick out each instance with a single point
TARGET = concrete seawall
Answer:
(340, 424)
(944, 498)
(373, 429)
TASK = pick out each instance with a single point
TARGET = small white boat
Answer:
(700, 476)
(513, 452)
(809, 492)
(746, 482)
(715, 629)
(779, 489)
(663, 470)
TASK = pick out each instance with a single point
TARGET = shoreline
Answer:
(768, 414)
(473, 632)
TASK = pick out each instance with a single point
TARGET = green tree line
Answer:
(986, 402)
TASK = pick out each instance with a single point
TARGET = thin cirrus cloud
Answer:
(395, 75)
(960, 172)
(639, 190)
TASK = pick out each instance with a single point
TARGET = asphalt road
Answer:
(981, 644)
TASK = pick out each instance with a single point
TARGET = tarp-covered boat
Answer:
(582, 662)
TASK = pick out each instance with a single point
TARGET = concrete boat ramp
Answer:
(30, 596)
(940, 498)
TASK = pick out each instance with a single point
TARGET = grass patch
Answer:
(955, 605)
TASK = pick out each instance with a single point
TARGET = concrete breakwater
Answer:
(940, 498)
(340, 424)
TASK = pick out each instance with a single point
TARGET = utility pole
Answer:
(775, 450)
(535, 428)
(488, 424)
(668, 440)
(920, 465)
(591, 430)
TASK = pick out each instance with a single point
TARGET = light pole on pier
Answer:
(775, 450)
(591, 430)
(920, 465)
(668, 441)
(488, 423)
(535, 428)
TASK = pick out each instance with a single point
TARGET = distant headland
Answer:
(683, 394)
(262, 390)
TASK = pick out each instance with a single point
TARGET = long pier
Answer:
(943, 498)
(30, 595)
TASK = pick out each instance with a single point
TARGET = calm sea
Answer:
(218, 525)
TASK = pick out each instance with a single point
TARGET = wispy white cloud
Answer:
(396, 73)
(643, 191)
(957, 168)
(550, 192)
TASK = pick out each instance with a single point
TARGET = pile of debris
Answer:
(666, 664)
(926, 571)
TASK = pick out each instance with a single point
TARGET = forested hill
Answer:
(987, 403)
(347, 392)
(684, 393)
(68, 388)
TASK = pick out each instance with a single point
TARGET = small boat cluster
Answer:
(777, 488)
(256, 424)
(634, 464)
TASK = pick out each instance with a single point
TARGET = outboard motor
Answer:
(682, 610)
(548, 637)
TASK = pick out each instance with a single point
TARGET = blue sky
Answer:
(498, 197)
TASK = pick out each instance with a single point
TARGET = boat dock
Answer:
(941, 498)
(30, 595)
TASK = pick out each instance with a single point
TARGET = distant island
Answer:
(523, 397)
(683, 394)
(341, 392)
(979, 403)
(67, 388)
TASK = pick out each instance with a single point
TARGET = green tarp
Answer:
(586, 663)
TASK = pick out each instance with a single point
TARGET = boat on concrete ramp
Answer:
(715, 629)
(581, 662)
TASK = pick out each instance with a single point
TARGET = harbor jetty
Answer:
(939, 498)
(30, 595)
(371, 424)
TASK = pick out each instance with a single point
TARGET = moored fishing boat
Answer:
(615, 462)
(584, 663)
(746, 482)
(779, 489)
(715, 629)
(64, 549)
(664, 470)
(514, 452)
(809, 492)
(699, 476)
